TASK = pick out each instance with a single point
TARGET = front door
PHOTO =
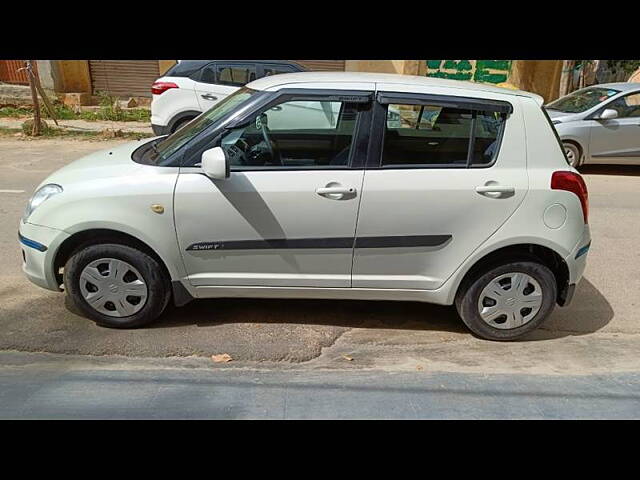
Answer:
(286, 216)
(618, 140)
(445, 180)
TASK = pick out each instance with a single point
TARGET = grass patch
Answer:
(63, 112)
(74, 134)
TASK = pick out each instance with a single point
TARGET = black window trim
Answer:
(359, 139)
(378, 126)
(465, 103)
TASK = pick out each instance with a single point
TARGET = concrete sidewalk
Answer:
(84, 125)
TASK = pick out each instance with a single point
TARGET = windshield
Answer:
(162, 150)
(582, 100)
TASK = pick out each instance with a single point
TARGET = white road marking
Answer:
(11, 191)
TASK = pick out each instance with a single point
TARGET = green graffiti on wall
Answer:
(487, 71)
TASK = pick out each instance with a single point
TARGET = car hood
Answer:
(112, 162)
(564, 116)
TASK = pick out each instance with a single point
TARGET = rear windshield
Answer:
(582, 100)
(185, 68)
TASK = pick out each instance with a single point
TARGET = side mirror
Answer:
(215, 164)
(608, 114)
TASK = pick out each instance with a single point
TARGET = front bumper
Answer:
(39, 246)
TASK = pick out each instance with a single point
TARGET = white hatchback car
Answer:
(191, 87)
(302, 186)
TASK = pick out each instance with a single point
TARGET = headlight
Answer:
(43, 193)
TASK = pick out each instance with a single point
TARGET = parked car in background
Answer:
(467, 200)
(191, 87)
(599, 124)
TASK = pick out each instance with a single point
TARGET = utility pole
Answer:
(34, 96)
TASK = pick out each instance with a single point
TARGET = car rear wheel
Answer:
(116, 285)
(181, 123)
(573, 154)
(506, 302)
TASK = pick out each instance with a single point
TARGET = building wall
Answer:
(403, 67)
(635, 76)
(165, 65)
(538, 76)
(71, 76)
(487, 71)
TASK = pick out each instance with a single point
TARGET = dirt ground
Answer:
(599, 332)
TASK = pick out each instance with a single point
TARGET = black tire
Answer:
(469, 293)
(180, 123)
(574, 154)
(158, 285)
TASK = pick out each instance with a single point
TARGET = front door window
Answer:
(294, 135)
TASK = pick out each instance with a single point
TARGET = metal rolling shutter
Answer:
(9, 72)
(124, 77)
(322, 65)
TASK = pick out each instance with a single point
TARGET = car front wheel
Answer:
(116, 285)
(508, 301)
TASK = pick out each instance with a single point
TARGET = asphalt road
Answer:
(598, 334)
(41, 386)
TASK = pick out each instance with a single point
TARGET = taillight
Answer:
(572, 182)
(160, 87)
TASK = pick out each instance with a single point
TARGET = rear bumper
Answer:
(576, 262)
(160, 130)
(39, 246)
(577, 259)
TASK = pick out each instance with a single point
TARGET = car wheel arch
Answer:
(93, 236)
(187, 115)
(517, 252)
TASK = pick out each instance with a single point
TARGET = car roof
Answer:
(302, 78)
(622, 86)
(280, 62)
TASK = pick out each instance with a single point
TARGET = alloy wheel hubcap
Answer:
(113, 287)
(571, 155)
(510, 300)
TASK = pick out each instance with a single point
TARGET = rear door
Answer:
(618, 140)
(218, 80)
(444, 174)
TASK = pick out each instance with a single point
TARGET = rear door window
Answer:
(438, 135)
(235, 74)
(274, 69)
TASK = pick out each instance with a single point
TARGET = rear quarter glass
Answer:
(555, 133)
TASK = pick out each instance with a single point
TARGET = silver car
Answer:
(599, 124)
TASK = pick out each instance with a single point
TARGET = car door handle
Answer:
(495, 189)
(335, 191)
(208, 96)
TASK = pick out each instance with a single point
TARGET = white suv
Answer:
(303, 186)
(194, 86)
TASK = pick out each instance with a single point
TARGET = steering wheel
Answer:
(236, 155)
(271, 144)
